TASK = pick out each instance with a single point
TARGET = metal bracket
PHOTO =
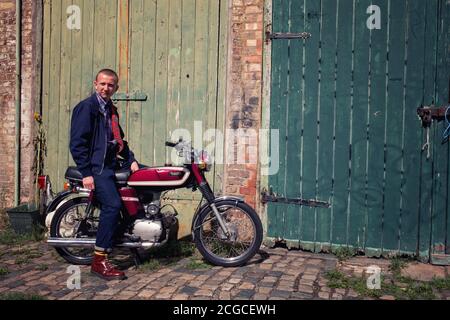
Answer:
(271, 197)
(287, 36)
(136, 96)
(429, 113)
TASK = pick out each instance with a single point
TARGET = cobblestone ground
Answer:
(275, 274)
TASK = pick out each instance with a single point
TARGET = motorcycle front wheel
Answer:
(70, 221)
(244, 239)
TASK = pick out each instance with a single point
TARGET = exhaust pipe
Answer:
(90, 243)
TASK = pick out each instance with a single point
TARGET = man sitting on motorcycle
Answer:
(96, 141)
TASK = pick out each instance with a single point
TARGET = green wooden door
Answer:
(172, 51)
(345, 103)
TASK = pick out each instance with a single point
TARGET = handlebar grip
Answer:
(170, 144)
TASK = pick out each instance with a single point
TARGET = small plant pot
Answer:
(24, 218)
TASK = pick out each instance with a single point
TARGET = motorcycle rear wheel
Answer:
(244, 241)
(69, 222)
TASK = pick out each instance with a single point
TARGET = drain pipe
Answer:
(18, 99)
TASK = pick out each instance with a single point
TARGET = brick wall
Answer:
(244, 97)
(7, 101)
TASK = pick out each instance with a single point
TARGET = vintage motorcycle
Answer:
(226, 230)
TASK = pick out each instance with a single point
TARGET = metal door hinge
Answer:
(136, 96)
(271, 197)
(288, 35)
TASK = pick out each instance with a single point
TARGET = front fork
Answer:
(206, 191)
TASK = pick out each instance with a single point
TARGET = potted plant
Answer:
(24, 218)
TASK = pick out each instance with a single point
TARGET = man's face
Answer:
(106, 85)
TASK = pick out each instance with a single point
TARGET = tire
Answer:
(66, 216)
(246, 234)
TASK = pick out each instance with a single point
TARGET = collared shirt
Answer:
(107, 114)
(102, 103)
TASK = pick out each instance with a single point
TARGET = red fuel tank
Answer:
(159, 177)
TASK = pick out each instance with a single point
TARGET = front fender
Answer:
(206, 205)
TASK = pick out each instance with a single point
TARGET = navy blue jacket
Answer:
(89, 138)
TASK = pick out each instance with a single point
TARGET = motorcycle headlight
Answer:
(204, 161)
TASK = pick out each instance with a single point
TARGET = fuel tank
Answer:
(159, 177)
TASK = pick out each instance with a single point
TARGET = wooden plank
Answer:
(429, 76)
(310, 114)
(279, 70)
(441, 151)
(377, 107)
(292, 118)
(187, 64)
(64, 98)
(162, 35)
(111, 34)
(200, 110)
(342, 123)
(213, 64)
(46, 66)
(53, 113)
(413, 139)
(174, 65)
(134, 121)
(327, 116)
(394, 124)
(445, 5)
(99, 35)
(213, 38)
(123, 26)
(75, 73)
(148, 83)
(87, 30)
(218, 183)
(173, 80)
(359, 142)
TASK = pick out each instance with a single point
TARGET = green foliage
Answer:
(3, 271)
(195, 264)
(150, 265)
(42, 267)
(9, 237)
(344, 253)
(167, 255)
(398, 286)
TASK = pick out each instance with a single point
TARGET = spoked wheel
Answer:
(243, 241)
(70, 222)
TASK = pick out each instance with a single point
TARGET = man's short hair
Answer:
(108, 72)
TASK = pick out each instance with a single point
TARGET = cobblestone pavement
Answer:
(275, 274)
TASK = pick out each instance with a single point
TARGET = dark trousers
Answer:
(110, 204)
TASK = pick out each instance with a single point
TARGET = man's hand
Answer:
(88, 183)
(134, 167)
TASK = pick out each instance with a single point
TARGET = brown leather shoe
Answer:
(104, 269)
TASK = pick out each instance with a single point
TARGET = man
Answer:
(96, 141)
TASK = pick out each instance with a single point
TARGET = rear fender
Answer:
(61, 197)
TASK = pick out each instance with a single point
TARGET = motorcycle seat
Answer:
(72, 173)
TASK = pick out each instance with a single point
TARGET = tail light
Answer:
(66, 186)
(42, 182)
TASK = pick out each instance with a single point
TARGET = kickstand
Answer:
(136, 257)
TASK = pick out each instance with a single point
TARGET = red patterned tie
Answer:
(116, 128)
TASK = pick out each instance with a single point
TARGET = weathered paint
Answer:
(172, 51)
(345, 103)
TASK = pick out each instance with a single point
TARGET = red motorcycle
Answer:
(226, 230)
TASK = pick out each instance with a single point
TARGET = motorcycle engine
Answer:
(148, 230)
